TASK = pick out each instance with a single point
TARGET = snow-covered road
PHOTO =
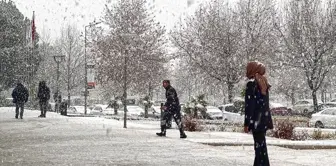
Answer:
(59, 140)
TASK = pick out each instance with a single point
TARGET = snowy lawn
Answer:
(61, 140)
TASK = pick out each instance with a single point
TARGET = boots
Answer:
(161, 134)
(163, 131)
(182, 134)
(16, 116)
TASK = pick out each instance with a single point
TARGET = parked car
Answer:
(279, 109)
(6, 102)
(232, 114)
(324, 119)
(326, 105)
(134, 111)
(78, 110)
(214, 113)
(155, 111)
(303, 107)
(108, 110)
(229, 108)
(98, 109)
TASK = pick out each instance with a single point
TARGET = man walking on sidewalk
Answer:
(20, 97)
(44, 96)
(171, 108)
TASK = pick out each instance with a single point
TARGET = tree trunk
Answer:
(224, 94)
(230, 91)
(292, 96)
(322, 96)
(195, 113)
(150, 91)
(146, 111)
(69, 99)
(315, 101)
(115, 111)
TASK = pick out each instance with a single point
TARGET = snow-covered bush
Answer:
(283, 129)
(191, 124)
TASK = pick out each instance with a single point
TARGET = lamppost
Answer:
(58, 59)
(85, 61)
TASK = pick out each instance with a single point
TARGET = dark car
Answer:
(279, 109)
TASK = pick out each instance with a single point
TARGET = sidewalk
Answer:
(60, 140)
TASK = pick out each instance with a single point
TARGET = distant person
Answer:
(58, 101)
(20, 97)
(43, 95)
(171, 109)
(257, 112)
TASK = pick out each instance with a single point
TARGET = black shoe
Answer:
(16, 116)
(21, 117)
(183, 136)
(161, 134)
(40, 116)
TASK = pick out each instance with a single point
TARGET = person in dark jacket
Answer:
(44, 96)
(20, 97)
(257, 112)
(171, 109)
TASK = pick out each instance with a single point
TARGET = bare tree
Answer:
(132, 55)
(288, 81)
(70, 45)
(256, 19)
(309, 37)
(210, 40)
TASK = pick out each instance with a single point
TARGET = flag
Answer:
(33, 28)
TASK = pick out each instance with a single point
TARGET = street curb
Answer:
(293, 146)
(79, 115)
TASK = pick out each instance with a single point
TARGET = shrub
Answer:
(238, 129)
(318, 135)
(300, 135)
(222, 127)
(191, 124)
(283, 129)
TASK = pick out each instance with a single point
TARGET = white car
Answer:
(304, 107)
(78, 110)
(324, 119)
(156, 108)
(98, 109)
(232, 114)
(135, 111)
(214, 113)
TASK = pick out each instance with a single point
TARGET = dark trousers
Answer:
(167, 115)
(43, 107)
(260, 148)
(19, 105)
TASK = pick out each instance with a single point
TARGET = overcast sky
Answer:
(51, 15)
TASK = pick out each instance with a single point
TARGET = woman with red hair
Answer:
(257, 113)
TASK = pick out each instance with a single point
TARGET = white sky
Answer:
(51, 15)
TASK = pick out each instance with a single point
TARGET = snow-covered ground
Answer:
(59, 140)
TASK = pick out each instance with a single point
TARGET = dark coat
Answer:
(20, 94)
(257, 112)
(43, 93)
(172, 103)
